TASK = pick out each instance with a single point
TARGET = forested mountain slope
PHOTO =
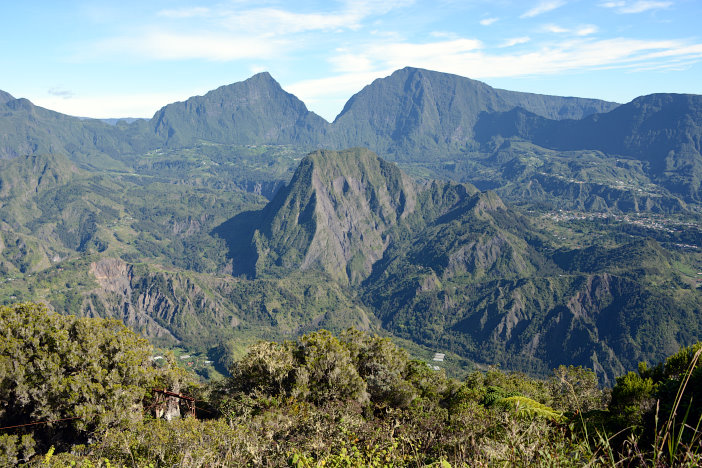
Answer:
(450, 267)
(518, 229)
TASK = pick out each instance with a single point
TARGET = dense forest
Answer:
(353, 399)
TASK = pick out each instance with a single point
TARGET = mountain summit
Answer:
(415, 111)
(254, 111)
(334, 215)
(451, 126)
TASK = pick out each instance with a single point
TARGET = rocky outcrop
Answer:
(114, 298)
(161, 305)
(335, 215)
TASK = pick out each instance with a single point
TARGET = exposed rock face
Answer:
(160, 305)
(201, 310)
(335, 215)
(115, 296)
(113, 275)
(342, 211)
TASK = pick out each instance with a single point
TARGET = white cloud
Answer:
(639, 6)
(175, 46)
(227, 33)
(515, 41)
(543, 7)
(402, 54)
(554, 28)
(469, 59)
(327, 95)
(586, 30)
(581, 31)
(61, 92)
(112, 106)
(488, 21)
(349, 63)
(277, 21)
(273, 21)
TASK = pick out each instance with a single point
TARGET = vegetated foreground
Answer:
(321, 400)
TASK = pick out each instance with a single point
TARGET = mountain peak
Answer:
(415, 112)
(261, 79)
(334, 215)
(254, 111)
(264, 75)
(5, 97)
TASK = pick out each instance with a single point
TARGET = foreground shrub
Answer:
(85, 375)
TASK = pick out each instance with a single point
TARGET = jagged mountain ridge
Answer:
(663, 130)
(390, 116)
(445, 123)
(415, 111)
(259, 111)
(334, 215)
(456, 268)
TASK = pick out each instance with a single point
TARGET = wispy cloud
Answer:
(402, 54)
(488, 21)
(225, 33)
(177, 46)
(61, 93)
(554, 28)
(332, 92)
(581, 31)
(469, 58)
(274, 21)
(543, 7)
(279, 21)
(639, 6)
(515, 41)
(586, 30)
(348, 62)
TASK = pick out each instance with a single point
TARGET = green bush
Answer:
(95, 372)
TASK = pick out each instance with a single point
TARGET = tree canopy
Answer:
(91, 373)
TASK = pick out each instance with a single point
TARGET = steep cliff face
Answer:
(415, 112)
(350, 214)
(335, 215)
(202, 311)
(114, 298)
(160, 305)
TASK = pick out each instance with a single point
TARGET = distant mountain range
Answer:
(502, 227)
(451, 126)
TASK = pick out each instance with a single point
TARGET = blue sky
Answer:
(129, 58)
